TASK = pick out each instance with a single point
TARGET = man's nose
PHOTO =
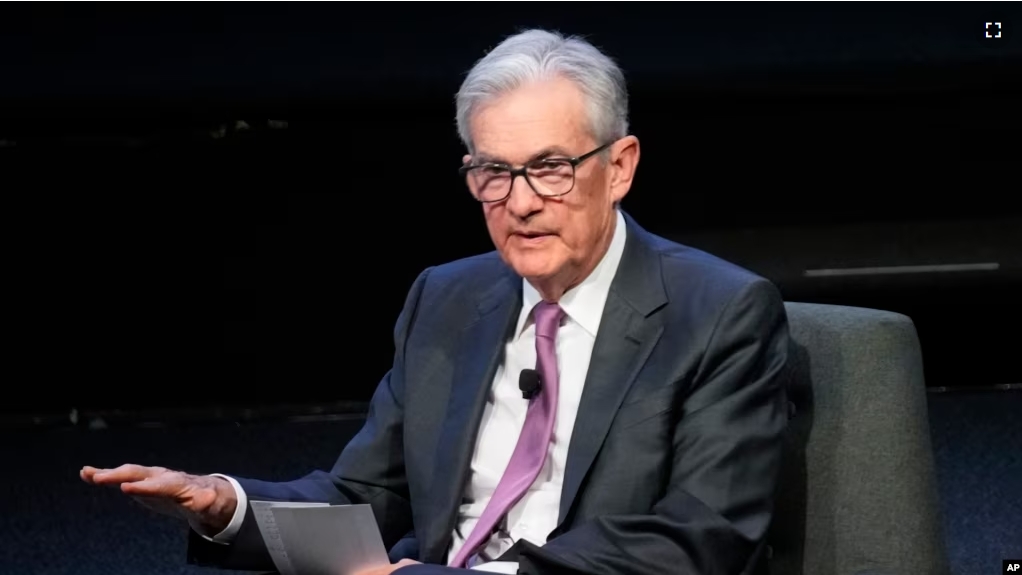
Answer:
(523, 201)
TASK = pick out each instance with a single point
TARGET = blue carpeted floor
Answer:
(977, 444)
(55, 525)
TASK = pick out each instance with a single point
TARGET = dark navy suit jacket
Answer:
(675, 452)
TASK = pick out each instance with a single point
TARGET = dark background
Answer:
(171, 255)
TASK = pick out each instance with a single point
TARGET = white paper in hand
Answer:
(335, 540)
(270, 531)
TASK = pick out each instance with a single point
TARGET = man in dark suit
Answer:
(648, 439)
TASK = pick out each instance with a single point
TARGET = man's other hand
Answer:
(208, 501)
(388, 569)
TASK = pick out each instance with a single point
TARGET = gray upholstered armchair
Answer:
(858, 492)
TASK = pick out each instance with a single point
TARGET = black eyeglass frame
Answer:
(574, 161)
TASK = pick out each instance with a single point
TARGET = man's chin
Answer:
(533, 266)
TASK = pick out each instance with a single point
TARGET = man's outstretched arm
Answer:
(369, 470)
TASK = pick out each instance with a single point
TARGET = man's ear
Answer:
(624, 160)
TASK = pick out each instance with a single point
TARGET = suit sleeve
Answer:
(727, 443)
(370, 470)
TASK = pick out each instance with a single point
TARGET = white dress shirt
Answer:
(535, 514)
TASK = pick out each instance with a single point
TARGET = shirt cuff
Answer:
(226, 536)
(507, 567)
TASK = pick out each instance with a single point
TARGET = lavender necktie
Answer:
(533, 443)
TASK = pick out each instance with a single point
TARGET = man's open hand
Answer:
(388, 569)
(208, 501)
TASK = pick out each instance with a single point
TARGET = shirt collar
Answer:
(584, 302)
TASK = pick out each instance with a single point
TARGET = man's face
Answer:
(557, 239)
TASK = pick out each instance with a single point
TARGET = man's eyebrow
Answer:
(547, 152)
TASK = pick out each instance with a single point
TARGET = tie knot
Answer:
(548, 318)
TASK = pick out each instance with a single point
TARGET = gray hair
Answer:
(535, 55)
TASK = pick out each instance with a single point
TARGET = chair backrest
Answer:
(858, 490)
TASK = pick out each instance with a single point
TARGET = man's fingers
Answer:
(124, 473)
(162, 490)
(173, 494)
(166, 485)
(88, 472)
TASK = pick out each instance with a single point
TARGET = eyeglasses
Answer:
(548, 177)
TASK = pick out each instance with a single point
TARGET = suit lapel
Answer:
(480, 351)
(629, 330)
